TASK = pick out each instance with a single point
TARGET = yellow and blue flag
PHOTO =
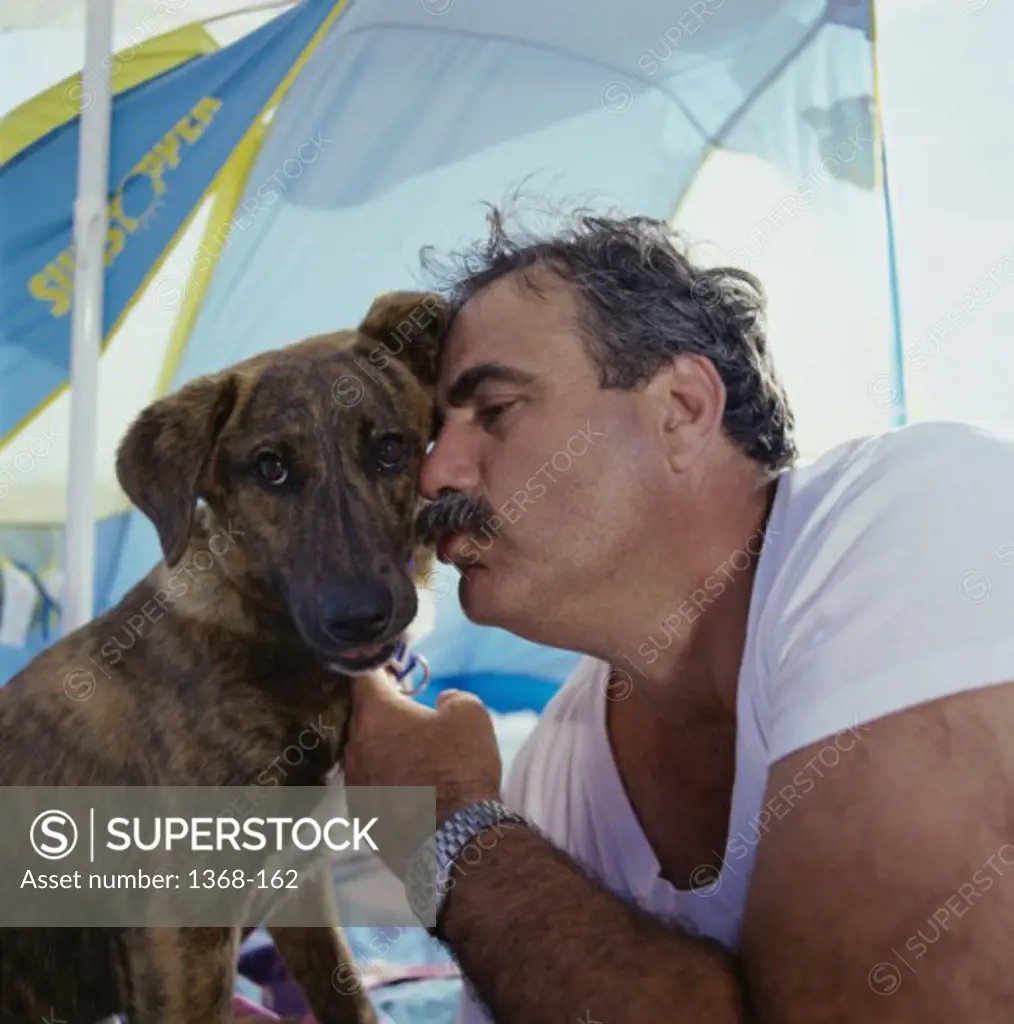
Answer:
(170, 137)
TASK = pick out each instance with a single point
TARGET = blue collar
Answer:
(403, 663)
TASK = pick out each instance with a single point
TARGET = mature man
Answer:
(780, 788)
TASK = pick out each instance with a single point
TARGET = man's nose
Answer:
(452, 463)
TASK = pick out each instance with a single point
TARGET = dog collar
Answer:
(403, 663)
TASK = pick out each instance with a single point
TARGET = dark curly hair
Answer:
(643, 302)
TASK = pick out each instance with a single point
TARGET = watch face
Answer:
(422, 886)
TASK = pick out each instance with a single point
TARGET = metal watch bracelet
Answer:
(429, 880)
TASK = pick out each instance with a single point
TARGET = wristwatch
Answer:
(432, 872)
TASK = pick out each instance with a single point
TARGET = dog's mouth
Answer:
(362, 657)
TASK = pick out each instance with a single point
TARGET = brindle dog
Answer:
(304, 463)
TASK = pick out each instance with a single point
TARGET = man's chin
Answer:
(477, 595)
(485, 601)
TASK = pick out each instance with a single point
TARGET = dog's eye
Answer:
(271, 468)
(392, 451)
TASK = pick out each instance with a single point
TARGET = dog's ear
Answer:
(161, 460)
(411, 327)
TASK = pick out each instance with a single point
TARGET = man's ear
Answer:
(161, 460)
(411, 327)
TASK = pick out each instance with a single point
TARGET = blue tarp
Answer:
(419, 117)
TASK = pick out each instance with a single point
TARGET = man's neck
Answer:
(684, 652)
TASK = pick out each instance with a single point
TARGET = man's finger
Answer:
(376, 690)
(445, 697)
(460, 699)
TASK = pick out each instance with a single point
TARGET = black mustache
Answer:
(452, 512)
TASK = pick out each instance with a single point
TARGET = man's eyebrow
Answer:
(464, 388)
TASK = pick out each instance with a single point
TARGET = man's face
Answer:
(562, 465)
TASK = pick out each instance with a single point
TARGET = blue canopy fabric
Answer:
(408, 118)
(170, 137)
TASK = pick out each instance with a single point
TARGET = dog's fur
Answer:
(206, 676)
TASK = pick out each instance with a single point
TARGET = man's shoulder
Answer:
(871, 596)
(883, 479)
(951, 447)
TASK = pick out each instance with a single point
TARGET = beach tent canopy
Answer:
(272, 169)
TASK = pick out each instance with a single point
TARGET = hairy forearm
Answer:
(542, 942)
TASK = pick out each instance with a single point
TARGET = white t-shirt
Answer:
(886, 580)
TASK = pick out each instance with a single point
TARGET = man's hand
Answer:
(538, 938)
(394, 741)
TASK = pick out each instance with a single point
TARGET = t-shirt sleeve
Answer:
(899, 588)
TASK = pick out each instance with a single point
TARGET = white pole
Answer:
(90, 224)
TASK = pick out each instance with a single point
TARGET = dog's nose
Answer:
(357, 613)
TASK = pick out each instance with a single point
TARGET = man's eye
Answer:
(489, 414)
